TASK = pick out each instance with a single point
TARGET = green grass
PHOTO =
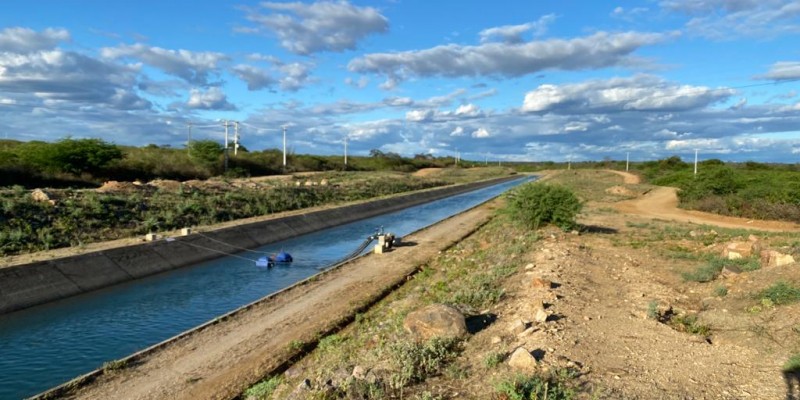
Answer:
(114, 365)
(721, 291)
(535, 387)
(709, 271)
(792, 364)
(781, 293)
(494, 359)
(688, 323)
(415, 362)
(263, 389)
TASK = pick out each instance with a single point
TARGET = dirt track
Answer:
(222, 360)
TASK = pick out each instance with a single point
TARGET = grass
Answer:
(263, 389)
(494, 359)
(793, 364)
(721, 291)
(652, 310)
(780, 293)
(521, 387)
(712, 268)
(114, 365)
(415, 362)
(688, 323)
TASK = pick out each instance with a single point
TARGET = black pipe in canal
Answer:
(43, 346)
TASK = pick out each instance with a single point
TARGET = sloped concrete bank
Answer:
(27, 285)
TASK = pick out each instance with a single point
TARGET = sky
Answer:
(506, 80)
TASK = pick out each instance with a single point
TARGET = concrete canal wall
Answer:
(27, 285)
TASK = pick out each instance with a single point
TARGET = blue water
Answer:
(43, 346)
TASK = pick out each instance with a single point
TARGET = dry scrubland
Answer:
(628, 307)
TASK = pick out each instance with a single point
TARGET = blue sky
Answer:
(506, 80)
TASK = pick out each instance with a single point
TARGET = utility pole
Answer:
(345, 151)
(225, 163)
(695, 162)
(284, 147)
(627, 160)
(235, 138)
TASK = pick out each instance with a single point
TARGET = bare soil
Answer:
(607, 282)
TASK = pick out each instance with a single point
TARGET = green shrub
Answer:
(415, 362)
(263, 389)
(535, 204)
(709, 271)
(535, 387)
(793, 364)
(721, 291)
(781, 293)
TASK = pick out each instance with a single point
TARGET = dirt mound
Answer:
(118, 187)
(427, 172)
(166, 184)
(620, 191)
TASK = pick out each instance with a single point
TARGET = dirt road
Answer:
(223, 359)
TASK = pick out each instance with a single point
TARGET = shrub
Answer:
(415, 362)
(263, 389)
(781, 293)
(710, 271)
(535, 204)
(793, 364)
(535, 387)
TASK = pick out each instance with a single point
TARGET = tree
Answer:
(535, 204)
(206, 152)
(73, 156)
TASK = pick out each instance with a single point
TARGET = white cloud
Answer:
(481, 133)
(296, 76)
(211, 99)
(193, 67)
(641, 92)
(320, 26)
(508, 60)
(728, 19)
(513, 33)
(420, 115)
(576, 126)
(256, 78)
(469, 110)
(360, 83)
(458, 131)
(24, 40)
(628, 14)
(784, 70)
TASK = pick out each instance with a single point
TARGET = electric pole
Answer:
(235, 138)
(189, 139)
(225, 162)
(627, 160)
(345, 151)
(695, 162)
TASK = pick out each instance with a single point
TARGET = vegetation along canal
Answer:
(46, 345)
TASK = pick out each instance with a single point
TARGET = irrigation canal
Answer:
(43, 346)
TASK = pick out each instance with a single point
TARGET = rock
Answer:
(308, 183)
(517, 327)
(40, 195)
(736, 250)
(496, 340)
(359, 372)
(522, 360)
(752, 238)
(323, 182)
(541, 315)
(530, 266)
(435, 320)
(540, 283)
(730, 271)
(772, 258)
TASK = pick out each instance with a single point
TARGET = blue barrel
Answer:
(283, 257)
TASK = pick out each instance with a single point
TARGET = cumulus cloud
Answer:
(256, 78)
(513, 33)
(24, 40)
(458, 131)
(641, 93)
(61, 75)
(784, 70)
(463, 112)
(508, 60)
(211, 99)
(320, 26)
(193, 67)
(628, 14)
(360, 83)
(468, 110)
(295, 76)
(481, 133)
(727, 19)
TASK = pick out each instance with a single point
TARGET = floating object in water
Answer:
(282, 257)
(264, 262)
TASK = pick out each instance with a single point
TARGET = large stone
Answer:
(435, 320)
(736, 250)
(541, 315)
(522, 360)
(772, 258)
(517, 326)
(40, 195)
(541, 283)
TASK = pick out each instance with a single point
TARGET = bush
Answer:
(535, 387)
(415, 362)
(535, 204)
(263, 389)
(781, 293)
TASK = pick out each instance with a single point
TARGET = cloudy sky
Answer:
(501, 80)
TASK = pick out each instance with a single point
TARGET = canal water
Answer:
(46, 345)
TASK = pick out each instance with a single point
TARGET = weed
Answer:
(721, 291)
(793, 364)
(781, 293)
(535, 387)
(426, 395)
(296, 345)
(415, 362)
(114, 365)
(637, 224)
(688, 323)
(331, 342)
(263, 389)
(652, 310)
(714, 265)
(494, 359)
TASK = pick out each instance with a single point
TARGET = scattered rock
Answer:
(517, 327)
(435, 320)
(40, 195)
(323, 182)
(522, 360)
(772, 258)
(530, 266)
(737, 250)
(359, 372)
(620, 190)
(540, 283)
(541, 315)
(730, 271)
(496, 340)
